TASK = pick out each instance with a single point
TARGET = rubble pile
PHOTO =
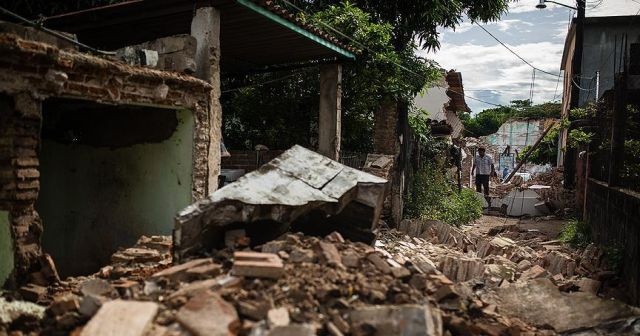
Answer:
(441, 279)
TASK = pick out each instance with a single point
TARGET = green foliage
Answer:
(488, 121)
(585, 112)
(433, 197)
(284, 112)
(547, 151)
(380, 71)
(576, 233)
(614, 254)
(578, 137)
(418, 20)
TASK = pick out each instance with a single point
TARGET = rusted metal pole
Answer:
(526, 156)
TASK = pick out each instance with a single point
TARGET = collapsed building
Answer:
(96, 150)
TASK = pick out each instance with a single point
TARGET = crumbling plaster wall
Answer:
(32, 71)
(516, 133)
(113, 195)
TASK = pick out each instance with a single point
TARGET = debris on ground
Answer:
(439, 280)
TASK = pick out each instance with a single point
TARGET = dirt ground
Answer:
(550, 227)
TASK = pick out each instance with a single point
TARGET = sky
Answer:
(493, 74)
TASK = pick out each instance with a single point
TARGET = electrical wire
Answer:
(514, 53)
(55, 33)
(395, 63)
(261, 83)
(555, 93)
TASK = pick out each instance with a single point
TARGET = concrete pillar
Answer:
(205, 27)
(330, 118)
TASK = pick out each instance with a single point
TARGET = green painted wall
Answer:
(6, 248)
(96, 199)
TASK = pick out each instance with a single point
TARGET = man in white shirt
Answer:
(483, 166)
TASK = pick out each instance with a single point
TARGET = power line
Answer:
(515, 53)
(555, 93)
(397, 64)
(474, 98)
(261, 83)
(54, 33)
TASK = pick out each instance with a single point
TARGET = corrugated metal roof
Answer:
(252, 35)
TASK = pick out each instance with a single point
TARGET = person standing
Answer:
(484, 168)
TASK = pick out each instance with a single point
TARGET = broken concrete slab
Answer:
(405, 320)
(119, 317)
(563, 311)
(208, 314)
(299, 186)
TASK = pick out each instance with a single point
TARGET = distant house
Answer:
(444, 100)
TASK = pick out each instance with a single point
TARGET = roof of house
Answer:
(253, 35)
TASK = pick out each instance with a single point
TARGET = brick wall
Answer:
(385, 135)
(612, 214)
(19, 179)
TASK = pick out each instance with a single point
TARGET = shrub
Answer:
(576, 233)
(433, 197)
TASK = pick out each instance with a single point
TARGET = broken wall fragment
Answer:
(300, 188)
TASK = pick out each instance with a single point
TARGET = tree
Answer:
(266, 113)
(488, 121)
(418, 20)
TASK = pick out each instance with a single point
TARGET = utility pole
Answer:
(576, 64)
(576, 69)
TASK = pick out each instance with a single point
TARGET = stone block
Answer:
(64, 303)
(330, 253)
(123, 318)
(180, 272)
(208, 314)
(278, 317)
(258, 265)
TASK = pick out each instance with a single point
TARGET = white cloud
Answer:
(462, 28)
(494, 71)
(612, 7)
(594, 7)
(505, 25)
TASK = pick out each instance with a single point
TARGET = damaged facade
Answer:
(64, 134)
(443, 102)
(96, 152)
